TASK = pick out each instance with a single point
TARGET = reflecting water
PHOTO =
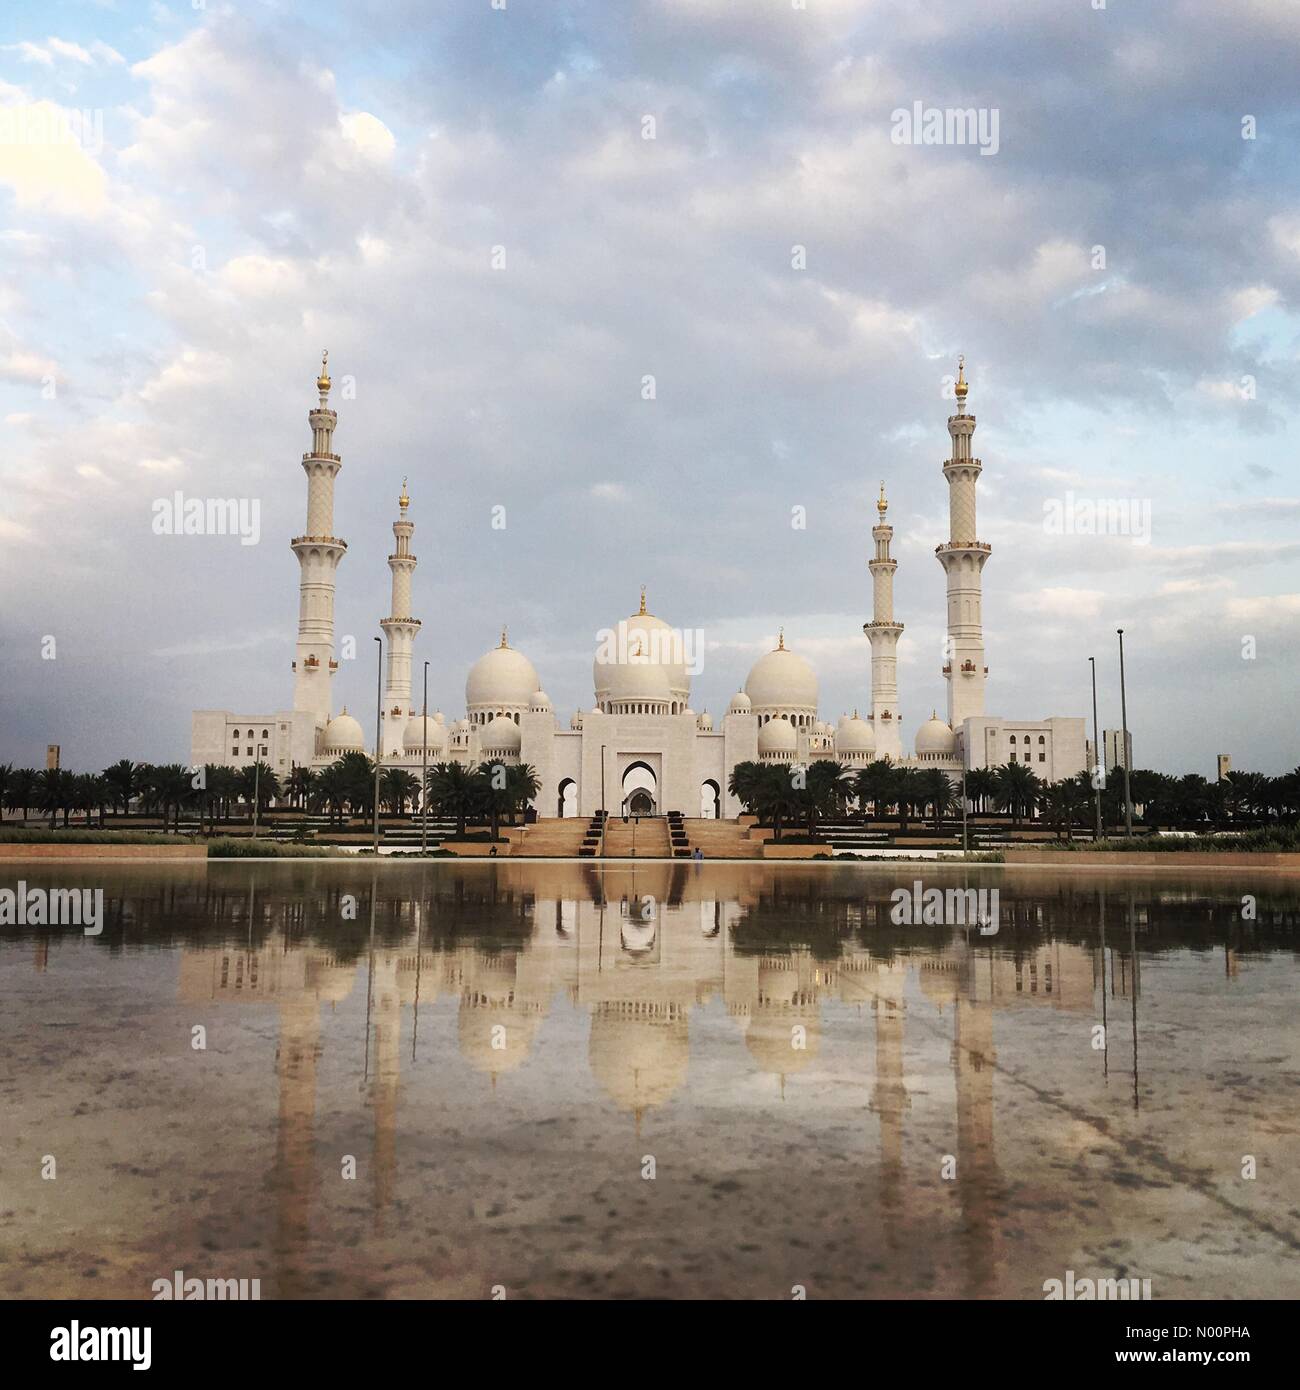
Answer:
(504, 1052)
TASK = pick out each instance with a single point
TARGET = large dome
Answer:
(782, 680)
(501, 679)
(634, 647)
(935, 737)
(343, 735)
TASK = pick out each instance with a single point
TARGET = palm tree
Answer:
(301, 782)
(172, 788)
(359, 778)
(456, 791)
(6, 772)
(258, 779)
(1064, 801)
(775, 797)
(21, 790)
(51, 792)
(936, 791)
(397, 787)
(875, 784)
(331, 789)
(824, 791)
(493, 792)
(905, 793)
(745, 783)
(981, 787)
(123, 783)
(524, 785)
(1017, 790)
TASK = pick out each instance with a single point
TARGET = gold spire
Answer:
(882, 506)
(323, 381)
(642, 613)
(961, 387)
(504, 643)
(403, 501)
(780, 641)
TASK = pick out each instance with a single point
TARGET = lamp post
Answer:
(379, 732)
(424, 765)
(1123, 707)
(257, 796)
(1098, 771)
(604, 815)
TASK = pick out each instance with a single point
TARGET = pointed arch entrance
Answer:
(640, 790)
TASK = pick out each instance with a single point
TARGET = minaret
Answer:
(400, 629)
(963, 560)
(319, 552)
(882, 632)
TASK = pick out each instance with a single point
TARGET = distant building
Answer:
(1225, 765)
(1118, 748)
(52, 751)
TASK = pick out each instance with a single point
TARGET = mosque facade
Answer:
(640, 747)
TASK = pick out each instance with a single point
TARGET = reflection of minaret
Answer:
(319, 551)
(963, 558)
(388, 1069)
(973, 1057)
(883, 633)
(889, 1099)
(294, 1176)
(400, 629)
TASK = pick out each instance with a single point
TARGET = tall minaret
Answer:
(400, 629)
(963, 560)
(882, 632)
(319, 552)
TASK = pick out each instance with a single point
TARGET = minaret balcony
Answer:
(322, 458)
(954, 547)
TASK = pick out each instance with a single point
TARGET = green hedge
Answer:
(227, 847)
(93, 837)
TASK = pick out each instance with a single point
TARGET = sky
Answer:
(502, 219)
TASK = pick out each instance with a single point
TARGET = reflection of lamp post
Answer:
(1098, 770)
(257, 797)
(379, 732)
(1123, 707)
(424, 765)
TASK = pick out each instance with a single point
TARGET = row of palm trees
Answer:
(344, 788)
(779, 795)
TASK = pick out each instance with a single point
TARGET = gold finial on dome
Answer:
(882, 506)
(323, 381)
(780, 640)
(403, 501)
(961, 388)
(504, 643)
(642, 613)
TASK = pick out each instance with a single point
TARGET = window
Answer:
(1042, 757)
(248, 752)
(262, 750)
(1013, 738)
(234, 733)
(1013, 755)
(1041, 739)
(266, 733)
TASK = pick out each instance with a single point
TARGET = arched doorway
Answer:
(567, 802)
(710, 800)
(640, 791)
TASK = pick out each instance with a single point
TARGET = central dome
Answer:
(641, 662)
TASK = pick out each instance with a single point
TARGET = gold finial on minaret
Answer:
(780, 640)
(403, 501)
(882, 506)
(961, 387)
(504, 643)
(642, 613)
(323, 381)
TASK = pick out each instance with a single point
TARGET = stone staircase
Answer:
(720, 839)
(647, 839)
(554, 838)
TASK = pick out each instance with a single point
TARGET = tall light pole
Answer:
(604, 814)
(424, 765)
(1123, 708)
(257, 794)
(379, 733)
(1098, 770)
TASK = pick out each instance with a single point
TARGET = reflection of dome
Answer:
(501, 679)
(638, 1053)
(476, 1025)
(639, 645)
(782, 680)
(777, 737)
(415, 738)
(540, 703)
(501, 736)
(935, 737)
(740, 703)
(855, 737)
(343, 734)
(770, 1038)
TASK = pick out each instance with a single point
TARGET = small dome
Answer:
(540, 703)
(576, 721)
(423, 733)
(501, 736)
(778, 736)
(740, 703)
(501, 677)
(782, 679)
(934, 736)
(439, 717)
(855, 736)
(705, 722)
(343, 735)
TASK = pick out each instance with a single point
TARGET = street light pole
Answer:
(424, 765)
(379, 732)
(604, 814)
(1098, 769)
(1123, 707)
(257, 796)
